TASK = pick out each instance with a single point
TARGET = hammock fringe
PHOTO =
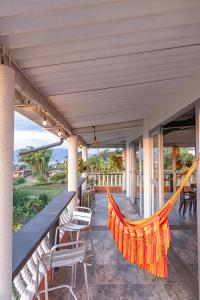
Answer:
(145, 242)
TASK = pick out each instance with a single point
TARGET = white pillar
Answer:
(127, 170)
(124, 172)
(6, 179)
(146, 172)
(73, 168)
(84, 158)
(134, 177)
(84, 153)
(130, 172)
(197, 108)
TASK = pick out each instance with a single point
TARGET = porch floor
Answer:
(114, 278)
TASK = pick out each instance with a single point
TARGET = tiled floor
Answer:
(114, 278)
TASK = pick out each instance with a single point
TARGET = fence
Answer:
(113, 180)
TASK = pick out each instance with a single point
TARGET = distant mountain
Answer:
(58, 154)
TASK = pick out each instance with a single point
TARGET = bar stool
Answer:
(62, 255)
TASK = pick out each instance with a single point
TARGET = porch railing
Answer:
(168, 181)
(110, 179)
(33, 240)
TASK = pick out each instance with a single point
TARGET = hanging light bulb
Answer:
(44, 122)
(59, 132)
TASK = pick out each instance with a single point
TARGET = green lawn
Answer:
(51, 190)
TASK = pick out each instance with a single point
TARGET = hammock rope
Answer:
(145, 242)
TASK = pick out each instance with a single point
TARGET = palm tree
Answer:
(38, 161)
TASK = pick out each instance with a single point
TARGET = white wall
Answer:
(170, 105)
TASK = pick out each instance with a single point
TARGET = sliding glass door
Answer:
(156, 180)
(139, 197)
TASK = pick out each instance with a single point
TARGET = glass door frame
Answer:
(139, 196)
(159, 184)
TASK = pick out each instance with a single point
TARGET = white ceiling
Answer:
(183, 138)
(100, 61)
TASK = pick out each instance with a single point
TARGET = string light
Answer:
(44, 122)
(59, 132)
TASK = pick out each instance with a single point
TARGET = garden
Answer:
(32, 195)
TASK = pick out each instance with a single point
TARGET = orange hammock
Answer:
(145, 242)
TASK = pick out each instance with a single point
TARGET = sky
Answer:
(28, 133)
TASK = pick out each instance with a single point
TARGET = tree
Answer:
(64, 167)
(38, 161)
(185, 158)
(167, 155)
(116, 163)
(106, 161)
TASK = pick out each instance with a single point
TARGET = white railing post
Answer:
(115, 180)
(111, 179)
(6, 179)
(99, 180)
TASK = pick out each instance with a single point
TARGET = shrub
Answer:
(41, 179)
(19, 180)
(19, 197)
(43, 200)
(58, 177)
(26, 207)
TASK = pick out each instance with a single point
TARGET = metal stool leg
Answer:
(190, 206)
(92, 246)
(194, 207)
(71, 292)
(72, 277)
(181, 205)
(86, 280)
(75, 267)
(46, 287)
(185, 207)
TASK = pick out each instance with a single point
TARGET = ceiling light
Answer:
(59, 132)
(44, 122)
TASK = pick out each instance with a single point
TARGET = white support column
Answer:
(124, 172)
(84, 158)
(134, 174)
(131, 172)
(147, 174)
(6, 179)
(73, 168)
(197, 108)
(127, 170)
